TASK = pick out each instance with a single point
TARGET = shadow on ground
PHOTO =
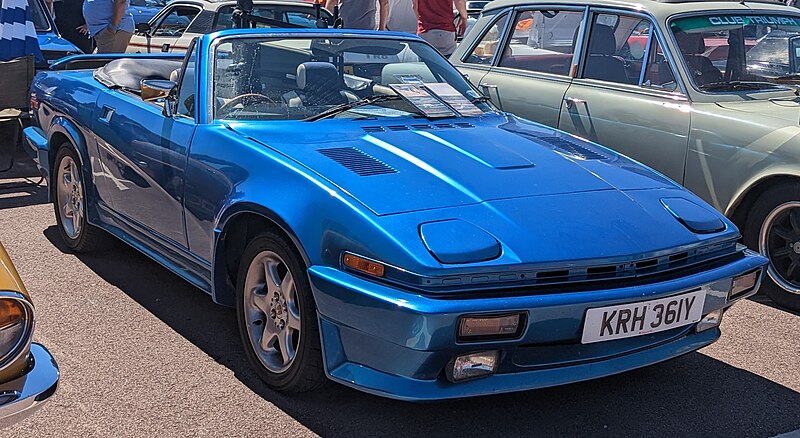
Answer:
(693, 395)
(20, 183)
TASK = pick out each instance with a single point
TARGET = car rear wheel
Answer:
(69, 200)
(773, 228)
(277, 315)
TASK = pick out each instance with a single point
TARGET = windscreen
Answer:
(739, 52)
(40, 21)
(305, 78)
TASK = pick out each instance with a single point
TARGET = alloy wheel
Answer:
(271, 311)
(69, 197)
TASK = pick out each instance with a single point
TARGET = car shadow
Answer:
(693, 395)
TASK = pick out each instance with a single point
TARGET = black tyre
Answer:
(69, 201)
(773, 229)
(277, 315)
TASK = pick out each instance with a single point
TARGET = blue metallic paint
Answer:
(528, 186)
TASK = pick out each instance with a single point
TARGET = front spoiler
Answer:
(22, 396)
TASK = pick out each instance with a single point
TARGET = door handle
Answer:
(105, 115)
(573, 101)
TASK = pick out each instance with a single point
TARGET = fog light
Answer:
(479, 328)
(711, 320)
(743, 284)
(470, 366)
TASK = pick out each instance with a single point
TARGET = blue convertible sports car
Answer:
(375, 220)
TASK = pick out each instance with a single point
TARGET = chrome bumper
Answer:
(24, 395)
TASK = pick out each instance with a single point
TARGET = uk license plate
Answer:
(635, 319)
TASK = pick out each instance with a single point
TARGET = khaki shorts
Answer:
(444, 41)
(111, 42)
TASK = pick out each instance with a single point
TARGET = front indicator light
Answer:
(711, 320)
(14, 327)
(481, 328)
(473, 365)
(743, 284)
(363, 265)
(11, 313)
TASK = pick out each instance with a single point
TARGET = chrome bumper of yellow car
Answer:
(24, 395)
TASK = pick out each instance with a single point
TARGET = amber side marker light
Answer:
(363, 265)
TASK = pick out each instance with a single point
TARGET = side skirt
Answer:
(176, 259)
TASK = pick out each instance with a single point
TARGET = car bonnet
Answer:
(399, 166)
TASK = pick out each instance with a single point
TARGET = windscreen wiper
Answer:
(350, 105)
(736, 86)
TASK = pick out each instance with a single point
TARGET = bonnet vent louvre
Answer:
(357, 161)
(374, 129)
(571, 148)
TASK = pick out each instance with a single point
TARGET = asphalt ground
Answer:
(144, 354)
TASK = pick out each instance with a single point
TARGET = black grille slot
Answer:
(571, 148)
(422, 127)
(549, 275)
(464, 125)
(677, 259)
(646, 264)
(398, 128)
(374, 129)
(357, 161)
(443, 125)
(601, 271)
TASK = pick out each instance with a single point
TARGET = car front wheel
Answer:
(773, 228)
(277, 316)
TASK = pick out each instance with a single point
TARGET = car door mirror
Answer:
(158, 89)
(143, 28)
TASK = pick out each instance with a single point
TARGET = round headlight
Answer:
(15, 321)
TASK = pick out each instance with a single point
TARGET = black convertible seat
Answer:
(128, 73)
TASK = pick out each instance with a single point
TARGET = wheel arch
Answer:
(746, 197)
(63, 130)
(238, 224)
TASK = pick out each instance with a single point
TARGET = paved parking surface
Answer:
(142, 353)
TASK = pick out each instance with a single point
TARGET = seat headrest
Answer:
(391, 73)
(315, 74)
(602, 40)
(691, 43)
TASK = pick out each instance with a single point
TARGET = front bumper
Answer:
(393, 343)
(22, 396)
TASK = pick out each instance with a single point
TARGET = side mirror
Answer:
(143, 28)
(156, 89)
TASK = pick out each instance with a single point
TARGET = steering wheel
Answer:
(242, 98)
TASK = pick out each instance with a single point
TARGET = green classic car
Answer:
(704, 91)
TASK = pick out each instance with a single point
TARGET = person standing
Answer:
(402, 17)
(110, 23)
(361, 14)
(436, 23)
